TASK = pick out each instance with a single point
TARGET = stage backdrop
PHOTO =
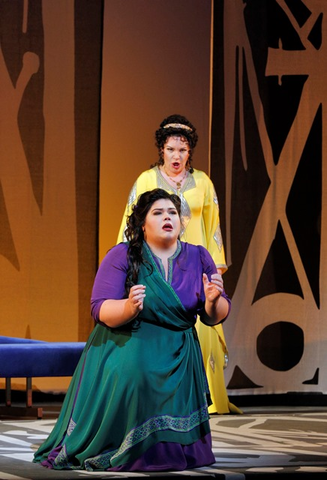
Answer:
(83, 86)
(269, 166)
(50, 66)
(71, 71)
(156, 62)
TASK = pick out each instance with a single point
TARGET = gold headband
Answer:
(178, 125)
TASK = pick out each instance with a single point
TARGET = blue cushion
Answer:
(18, 340)
(39, 359)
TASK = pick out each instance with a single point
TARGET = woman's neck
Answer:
(162, 250)
(177, 180)
(164, 253)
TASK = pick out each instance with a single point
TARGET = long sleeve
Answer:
(211, 225)
(110, 279)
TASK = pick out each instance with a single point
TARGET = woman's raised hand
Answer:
(136, 297)
(214, 288)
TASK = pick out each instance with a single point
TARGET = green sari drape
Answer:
(134, 386)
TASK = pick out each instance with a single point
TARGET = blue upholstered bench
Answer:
(24, 358)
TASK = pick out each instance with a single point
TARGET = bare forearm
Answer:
(215, 312)
(216, 306)
(115, 313)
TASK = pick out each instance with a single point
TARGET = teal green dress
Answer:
(143, 385)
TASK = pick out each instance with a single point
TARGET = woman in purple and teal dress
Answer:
(138, 398)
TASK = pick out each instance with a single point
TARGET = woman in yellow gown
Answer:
(176, 139)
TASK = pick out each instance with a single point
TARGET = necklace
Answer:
(178, 183)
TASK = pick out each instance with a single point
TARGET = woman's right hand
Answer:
(115, 313)
(136, 298)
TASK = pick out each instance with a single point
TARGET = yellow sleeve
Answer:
(211, 223)
(146, 181)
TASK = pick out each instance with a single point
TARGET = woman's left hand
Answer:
(214, 288)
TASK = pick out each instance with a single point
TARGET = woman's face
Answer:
(162, 224)
(176, 152)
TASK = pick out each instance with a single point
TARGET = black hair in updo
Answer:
(134, 230)
(187, 134)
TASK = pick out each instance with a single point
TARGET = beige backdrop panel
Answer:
(249, 315)
(41, 237)
(37, 294)
(156, 61)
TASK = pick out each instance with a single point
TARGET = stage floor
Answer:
(285, 441)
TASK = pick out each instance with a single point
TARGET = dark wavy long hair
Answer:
(134, 230)
(187, 134)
